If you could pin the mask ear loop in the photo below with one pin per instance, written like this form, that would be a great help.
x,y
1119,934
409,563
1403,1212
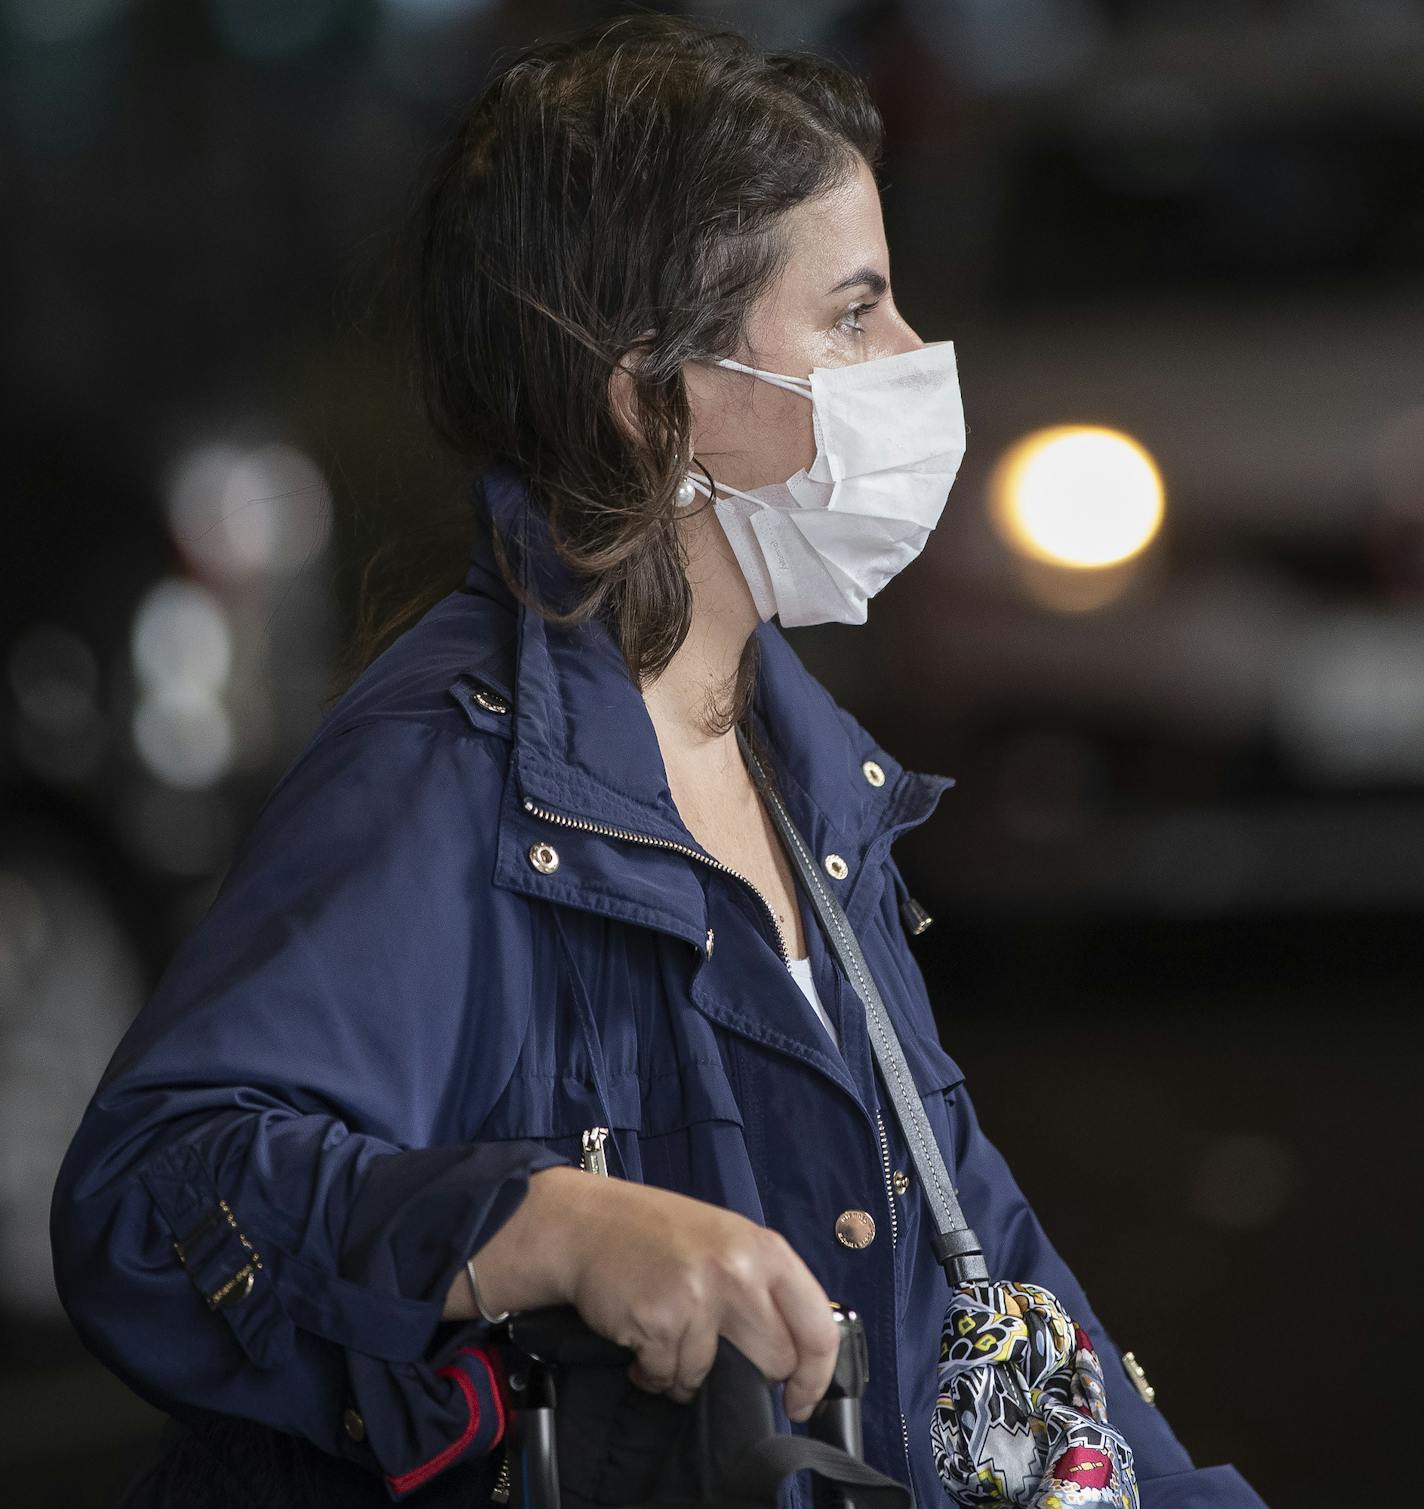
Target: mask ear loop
x,y
798,385
801,385
700,486
692,484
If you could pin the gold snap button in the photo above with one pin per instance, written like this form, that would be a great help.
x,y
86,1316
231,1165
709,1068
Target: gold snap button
x,y
855,1228
544,857
836,867
491,701
900,1181
353,1425
873,773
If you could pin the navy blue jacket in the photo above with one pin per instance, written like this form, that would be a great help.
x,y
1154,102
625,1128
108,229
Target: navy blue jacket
x,y
398,1007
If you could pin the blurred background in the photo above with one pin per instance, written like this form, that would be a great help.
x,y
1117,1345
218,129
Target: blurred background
x,y
1169,637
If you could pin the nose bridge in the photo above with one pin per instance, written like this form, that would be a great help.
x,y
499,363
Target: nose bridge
x,y
907,337
893,333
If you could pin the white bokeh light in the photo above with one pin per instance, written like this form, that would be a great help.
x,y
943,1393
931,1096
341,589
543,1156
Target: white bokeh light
x,y
182,657
244,512
184,735
1077,496
181,637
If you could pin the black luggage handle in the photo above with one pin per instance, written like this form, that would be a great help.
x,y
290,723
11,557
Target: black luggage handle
x,y
540,1345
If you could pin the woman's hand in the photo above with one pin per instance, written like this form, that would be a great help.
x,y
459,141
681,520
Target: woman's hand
x,y
664,1275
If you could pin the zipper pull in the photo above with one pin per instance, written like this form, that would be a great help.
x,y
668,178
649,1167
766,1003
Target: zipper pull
x,y
594,1159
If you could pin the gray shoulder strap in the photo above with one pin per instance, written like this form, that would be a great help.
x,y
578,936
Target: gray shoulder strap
x,y
955,1244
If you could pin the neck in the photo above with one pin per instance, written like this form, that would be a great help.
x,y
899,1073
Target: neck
x,y
684,701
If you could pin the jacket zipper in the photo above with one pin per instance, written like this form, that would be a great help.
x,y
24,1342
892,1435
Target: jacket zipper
x,y
666,843
894,1234
885,1169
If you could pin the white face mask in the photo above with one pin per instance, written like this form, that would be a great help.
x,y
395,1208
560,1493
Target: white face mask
x,y
889,439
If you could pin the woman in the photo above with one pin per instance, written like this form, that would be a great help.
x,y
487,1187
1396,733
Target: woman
x,y
521,885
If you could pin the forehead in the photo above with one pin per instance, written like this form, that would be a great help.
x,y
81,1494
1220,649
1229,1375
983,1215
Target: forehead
x,y
829,237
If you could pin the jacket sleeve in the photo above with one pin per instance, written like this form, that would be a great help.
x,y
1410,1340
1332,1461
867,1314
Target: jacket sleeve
x,y
1016,1246
264,1204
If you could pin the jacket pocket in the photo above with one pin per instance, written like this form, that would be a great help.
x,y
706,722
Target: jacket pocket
x,y
607,1049
659,1124
696,1090
691,1136
556,1109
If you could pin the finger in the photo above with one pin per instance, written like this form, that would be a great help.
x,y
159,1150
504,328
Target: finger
x,y
756,1328
649,1382
657,1380
655,1366
806,1312
695,1356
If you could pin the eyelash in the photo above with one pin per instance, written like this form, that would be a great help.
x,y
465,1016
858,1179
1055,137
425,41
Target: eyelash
x,y
850,314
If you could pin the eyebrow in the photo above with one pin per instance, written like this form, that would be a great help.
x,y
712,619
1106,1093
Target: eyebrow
x,y
875,281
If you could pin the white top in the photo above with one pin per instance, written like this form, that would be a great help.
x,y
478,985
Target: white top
x,y
801,972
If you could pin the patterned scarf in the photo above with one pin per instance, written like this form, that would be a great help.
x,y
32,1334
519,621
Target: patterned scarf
x,y
1021,1416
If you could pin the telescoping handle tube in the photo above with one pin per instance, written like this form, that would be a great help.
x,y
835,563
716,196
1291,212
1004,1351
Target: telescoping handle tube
x,y
533,1447
836,1419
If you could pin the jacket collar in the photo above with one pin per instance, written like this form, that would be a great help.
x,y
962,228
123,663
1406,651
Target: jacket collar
x,y
584,743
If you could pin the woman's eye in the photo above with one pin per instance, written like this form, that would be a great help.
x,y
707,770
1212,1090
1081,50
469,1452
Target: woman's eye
x,y
848,322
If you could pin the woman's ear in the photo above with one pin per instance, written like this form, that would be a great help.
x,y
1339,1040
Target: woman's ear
x,y
621,401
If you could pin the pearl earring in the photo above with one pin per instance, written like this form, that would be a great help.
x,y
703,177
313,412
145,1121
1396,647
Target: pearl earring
x,y
686,493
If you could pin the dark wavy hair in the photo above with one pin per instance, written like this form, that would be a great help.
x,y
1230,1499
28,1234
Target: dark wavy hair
x,y
615,196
